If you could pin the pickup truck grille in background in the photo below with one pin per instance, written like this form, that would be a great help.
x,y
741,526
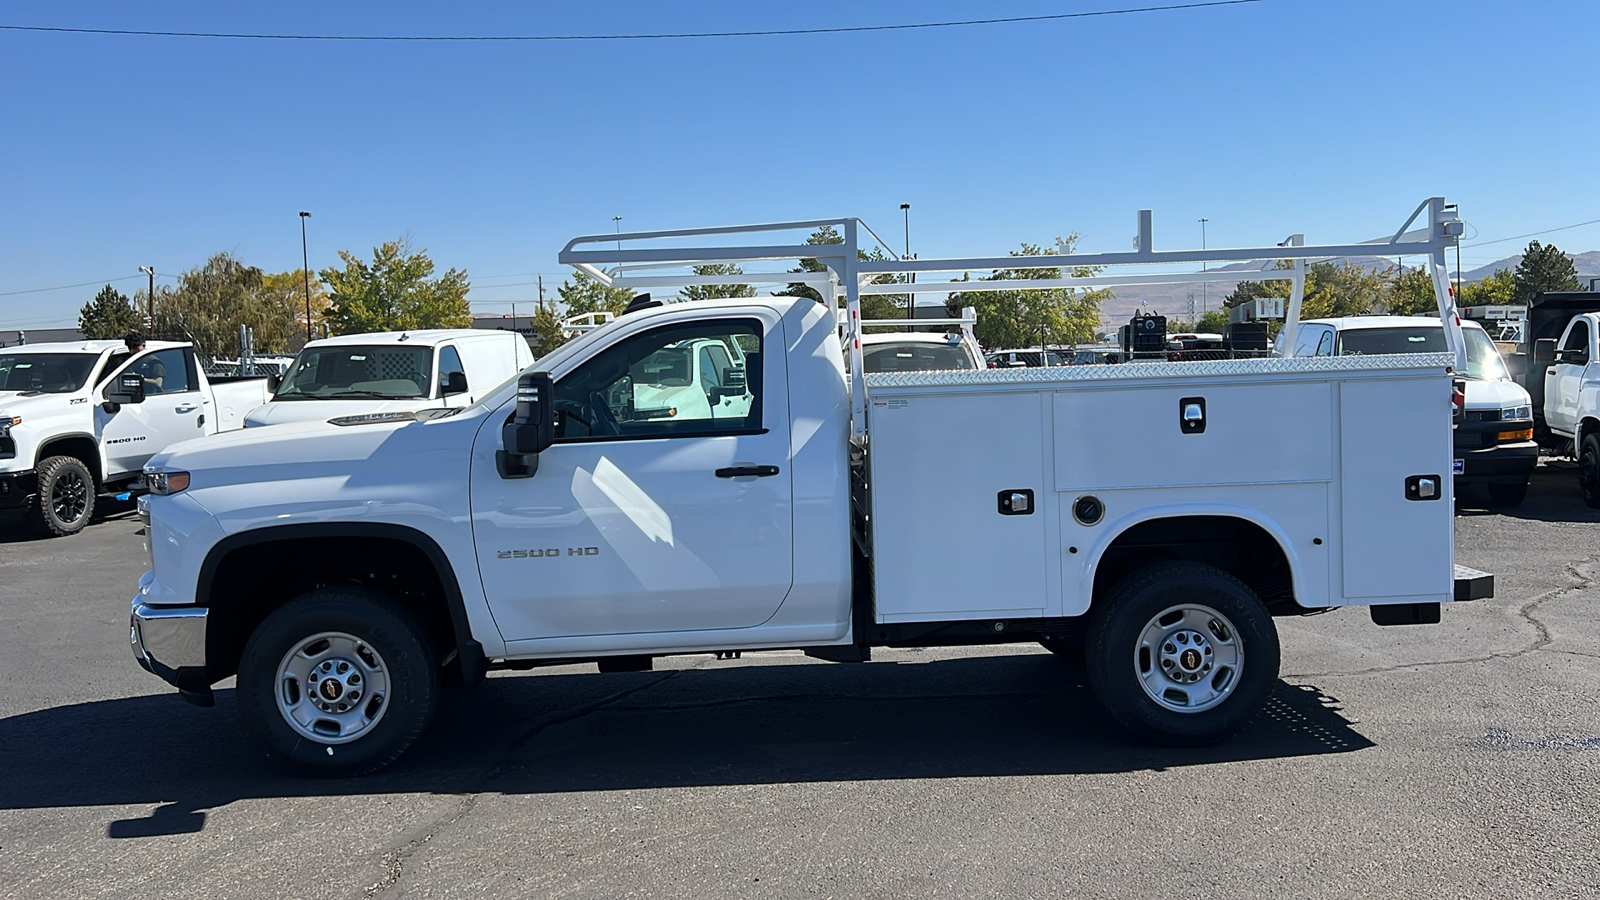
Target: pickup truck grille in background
x,y
8,447
1471,439
1483,415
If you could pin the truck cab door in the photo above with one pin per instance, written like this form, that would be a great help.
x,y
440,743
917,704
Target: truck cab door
x,y
1564,379
656,510
173,410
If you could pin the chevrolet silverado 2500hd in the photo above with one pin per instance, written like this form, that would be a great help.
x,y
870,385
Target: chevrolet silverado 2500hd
x,y
567,517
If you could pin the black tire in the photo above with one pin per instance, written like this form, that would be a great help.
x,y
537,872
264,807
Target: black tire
x,y
1508,494
66,498
404,707
1114,656
1589,471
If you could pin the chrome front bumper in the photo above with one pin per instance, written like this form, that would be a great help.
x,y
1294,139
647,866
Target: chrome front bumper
x,y
170,642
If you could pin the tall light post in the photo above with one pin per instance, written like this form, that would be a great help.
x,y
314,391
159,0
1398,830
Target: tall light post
x,y
1204,292
150,296
911,298
617,220
305,268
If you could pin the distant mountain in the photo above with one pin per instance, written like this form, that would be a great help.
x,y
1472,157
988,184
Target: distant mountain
x,y
1587,264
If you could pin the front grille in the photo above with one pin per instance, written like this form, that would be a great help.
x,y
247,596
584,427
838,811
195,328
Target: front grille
x,y
1483,415
1473,439
8,447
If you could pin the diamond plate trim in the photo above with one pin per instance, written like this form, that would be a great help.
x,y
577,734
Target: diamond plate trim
x,y
1144,371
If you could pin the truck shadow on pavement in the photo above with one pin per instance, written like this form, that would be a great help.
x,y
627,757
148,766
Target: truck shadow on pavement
x,y
1552,497
1027,714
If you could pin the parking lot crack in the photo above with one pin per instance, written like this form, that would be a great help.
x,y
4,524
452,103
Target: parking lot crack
x,y
394,862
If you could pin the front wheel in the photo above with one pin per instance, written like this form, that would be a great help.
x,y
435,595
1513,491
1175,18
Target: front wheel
x,y
1181,653
1589,471
66,497
339,681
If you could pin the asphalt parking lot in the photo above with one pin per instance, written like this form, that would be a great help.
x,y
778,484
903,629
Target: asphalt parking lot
x,y
1459,760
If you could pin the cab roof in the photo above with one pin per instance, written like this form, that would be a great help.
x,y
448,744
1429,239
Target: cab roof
x,y
1357,323
418,337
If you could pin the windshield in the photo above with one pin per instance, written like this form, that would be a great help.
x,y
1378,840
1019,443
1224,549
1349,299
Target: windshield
x,y
384,372
1404,339
48,373
915,357
1483,360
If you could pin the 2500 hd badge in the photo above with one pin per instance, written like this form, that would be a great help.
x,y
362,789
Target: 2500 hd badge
x,y
552,551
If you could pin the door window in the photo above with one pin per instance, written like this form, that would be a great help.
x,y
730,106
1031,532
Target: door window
x,y
1578,337
1325,346
164,371
676,381
449,361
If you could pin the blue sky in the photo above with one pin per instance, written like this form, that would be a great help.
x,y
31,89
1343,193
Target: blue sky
x,y
1332,117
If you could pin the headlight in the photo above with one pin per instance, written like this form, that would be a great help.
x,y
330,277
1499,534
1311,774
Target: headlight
x,y
7,421
1513,413
166,481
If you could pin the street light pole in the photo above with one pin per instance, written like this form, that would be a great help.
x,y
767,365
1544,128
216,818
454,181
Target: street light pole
x,y
150,296
911,297
618,221
305,268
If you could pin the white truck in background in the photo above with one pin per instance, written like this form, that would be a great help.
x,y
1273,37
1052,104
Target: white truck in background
x,y
556,520
1572,399
80,419
392,372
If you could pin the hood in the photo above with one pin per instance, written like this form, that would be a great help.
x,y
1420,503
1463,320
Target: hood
x,y
1495,395
17,402
279,412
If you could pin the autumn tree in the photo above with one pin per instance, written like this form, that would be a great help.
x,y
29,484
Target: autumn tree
x,y
1499,289
109,315
1024,318
1544,268
1411,293
397,291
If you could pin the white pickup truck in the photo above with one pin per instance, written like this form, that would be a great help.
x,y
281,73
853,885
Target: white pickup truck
x,y
77,419
392,371
555,520
1572,399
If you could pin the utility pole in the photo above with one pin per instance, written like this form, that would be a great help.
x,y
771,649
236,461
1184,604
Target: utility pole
x,y
1204,292
150,297
541,293
911,297
305,268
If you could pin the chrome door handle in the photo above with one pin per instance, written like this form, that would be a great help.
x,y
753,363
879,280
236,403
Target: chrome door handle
x,y
743,471
187,407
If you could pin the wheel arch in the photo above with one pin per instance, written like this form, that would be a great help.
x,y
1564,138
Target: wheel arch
x,y
1237,540
82,447
378,555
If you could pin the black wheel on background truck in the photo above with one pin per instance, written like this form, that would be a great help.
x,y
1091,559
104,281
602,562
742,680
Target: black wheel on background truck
x,y
1508,494
338,681
1589,470
66,497
1181,653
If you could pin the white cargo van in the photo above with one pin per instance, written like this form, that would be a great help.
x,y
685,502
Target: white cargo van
x,y
395,371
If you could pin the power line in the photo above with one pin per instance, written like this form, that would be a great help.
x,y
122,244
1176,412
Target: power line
x,y
1532,234
630,37
63,287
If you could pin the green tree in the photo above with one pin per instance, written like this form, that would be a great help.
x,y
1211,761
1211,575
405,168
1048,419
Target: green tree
x,y
1017,318
716,291
873,306
396,292
584,294
1499,289
109,315
1411,293
1544,268
1342,289
547,334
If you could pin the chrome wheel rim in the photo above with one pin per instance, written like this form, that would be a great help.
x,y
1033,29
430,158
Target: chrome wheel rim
x,y
1188,658
69,496
332,687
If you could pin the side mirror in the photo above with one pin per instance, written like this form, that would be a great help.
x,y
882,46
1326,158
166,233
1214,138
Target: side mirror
x,y
455,383
1544,350
530,430
1517,364
128,388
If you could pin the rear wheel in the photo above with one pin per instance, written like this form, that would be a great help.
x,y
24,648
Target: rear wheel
x,y
1508,494
1181,653
338,681
66,497
1589,470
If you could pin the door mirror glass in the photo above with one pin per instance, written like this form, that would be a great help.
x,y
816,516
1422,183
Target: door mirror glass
x,y
1544,349
530,430
127,388
455,383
